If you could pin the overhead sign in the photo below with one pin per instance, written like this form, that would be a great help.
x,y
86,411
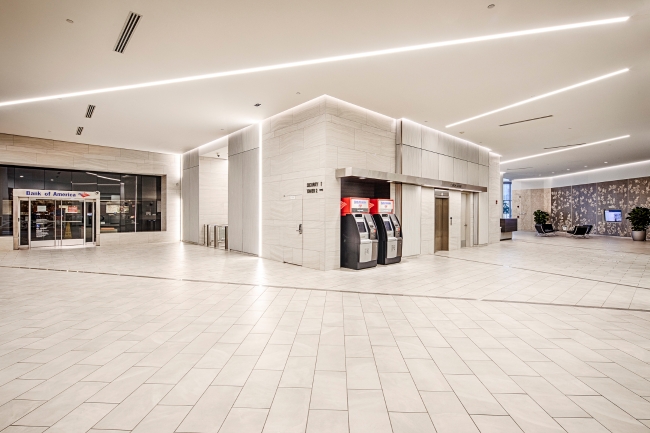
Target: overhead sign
x,y
49,193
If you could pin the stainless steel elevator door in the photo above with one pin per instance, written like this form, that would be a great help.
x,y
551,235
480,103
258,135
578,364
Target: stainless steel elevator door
x,y
442,225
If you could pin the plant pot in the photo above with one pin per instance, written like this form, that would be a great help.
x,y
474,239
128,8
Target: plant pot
x,y
639,235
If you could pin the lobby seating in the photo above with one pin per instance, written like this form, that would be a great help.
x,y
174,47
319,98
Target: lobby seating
x,y
579,231
544,230
548,229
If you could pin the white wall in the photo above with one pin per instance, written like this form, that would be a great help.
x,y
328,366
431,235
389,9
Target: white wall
x,y
243,190
411,219
190,195
425,152
213,193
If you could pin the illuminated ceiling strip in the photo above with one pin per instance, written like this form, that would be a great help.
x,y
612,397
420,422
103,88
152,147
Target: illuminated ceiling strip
x,y
545,95
322,60
565,149
585,171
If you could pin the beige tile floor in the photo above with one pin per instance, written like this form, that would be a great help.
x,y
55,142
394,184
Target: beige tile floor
x,y
250,345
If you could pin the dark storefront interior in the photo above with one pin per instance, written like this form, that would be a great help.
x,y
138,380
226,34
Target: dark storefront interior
x,y
129,203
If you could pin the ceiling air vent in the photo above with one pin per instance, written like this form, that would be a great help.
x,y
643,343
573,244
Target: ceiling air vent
x,y
79,130
520,168
527,120
128,29
566,145
90,111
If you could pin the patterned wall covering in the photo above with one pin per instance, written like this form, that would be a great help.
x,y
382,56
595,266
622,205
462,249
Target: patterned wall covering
x,y
561,201
584,204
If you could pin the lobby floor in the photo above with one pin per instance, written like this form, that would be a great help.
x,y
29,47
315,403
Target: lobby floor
x,y
532,335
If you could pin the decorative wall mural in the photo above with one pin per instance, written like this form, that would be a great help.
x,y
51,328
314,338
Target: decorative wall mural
x,y
561,207
585,204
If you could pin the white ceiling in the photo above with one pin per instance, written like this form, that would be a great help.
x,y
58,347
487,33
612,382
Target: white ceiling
x,y
42,55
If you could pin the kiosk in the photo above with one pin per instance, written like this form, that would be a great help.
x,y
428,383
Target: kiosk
x,y
51,218
388,229
358,234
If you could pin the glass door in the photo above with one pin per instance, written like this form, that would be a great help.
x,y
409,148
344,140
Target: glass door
x,y
24,223
41,226
90,221
70,214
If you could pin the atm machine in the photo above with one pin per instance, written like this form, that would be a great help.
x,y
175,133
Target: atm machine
x,y
358,234
388,229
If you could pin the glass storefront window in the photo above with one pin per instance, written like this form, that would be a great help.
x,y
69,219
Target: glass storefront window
x,y
128,203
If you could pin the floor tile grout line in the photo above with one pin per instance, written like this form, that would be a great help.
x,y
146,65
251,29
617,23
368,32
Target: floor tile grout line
x,y
547,273
360,292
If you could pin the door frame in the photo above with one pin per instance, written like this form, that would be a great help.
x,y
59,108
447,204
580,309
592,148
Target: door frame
x,y
82,197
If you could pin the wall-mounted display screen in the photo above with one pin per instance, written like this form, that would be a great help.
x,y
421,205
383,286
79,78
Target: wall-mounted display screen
x,y
388,226
362,227
613,216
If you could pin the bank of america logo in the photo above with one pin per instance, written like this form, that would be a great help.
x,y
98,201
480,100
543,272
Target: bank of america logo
x,y
84,194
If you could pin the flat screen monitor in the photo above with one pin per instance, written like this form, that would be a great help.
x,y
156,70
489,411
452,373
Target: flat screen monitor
x,y
613,216
387,225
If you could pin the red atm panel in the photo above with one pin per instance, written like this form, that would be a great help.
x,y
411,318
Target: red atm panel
x,y
354,205
381,205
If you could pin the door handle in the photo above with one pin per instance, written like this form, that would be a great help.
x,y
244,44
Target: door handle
x,y
299,229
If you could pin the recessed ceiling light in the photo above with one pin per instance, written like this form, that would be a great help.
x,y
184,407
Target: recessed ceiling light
x,y
490,6
297,93
566,149
605,162
22,175
568,169
257,105
324,60
552,172
70,21
545,95
461,132
362,178
585,166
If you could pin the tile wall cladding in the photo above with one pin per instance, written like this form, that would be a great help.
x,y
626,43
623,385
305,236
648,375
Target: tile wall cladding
x,y
524,204
586,204
213,193
426,152
307,144
243,190
40,152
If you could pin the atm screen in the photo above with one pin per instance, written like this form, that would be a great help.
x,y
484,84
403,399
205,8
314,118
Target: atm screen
x,y
388,226
362,227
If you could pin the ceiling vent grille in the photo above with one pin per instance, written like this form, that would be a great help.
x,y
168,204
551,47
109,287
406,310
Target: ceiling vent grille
x,y
80,130
527,120
90,111
566,145
520,168
127,31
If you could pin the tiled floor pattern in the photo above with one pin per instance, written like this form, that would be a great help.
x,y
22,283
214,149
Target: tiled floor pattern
x,y
596,272
102,353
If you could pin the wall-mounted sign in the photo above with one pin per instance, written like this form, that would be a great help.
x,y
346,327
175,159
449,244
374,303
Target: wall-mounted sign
x,y
77,195
314,187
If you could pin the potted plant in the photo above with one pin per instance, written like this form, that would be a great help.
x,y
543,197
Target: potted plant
x,y
540,216
639,217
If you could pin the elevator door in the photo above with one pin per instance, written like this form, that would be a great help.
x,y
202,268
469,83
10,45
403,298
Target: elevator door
x,y
442,225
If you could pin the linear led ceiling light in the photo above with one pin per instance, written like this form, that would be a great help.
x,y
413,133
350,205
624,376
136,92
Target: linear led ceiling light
x,y
322,60
565,149
535,98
